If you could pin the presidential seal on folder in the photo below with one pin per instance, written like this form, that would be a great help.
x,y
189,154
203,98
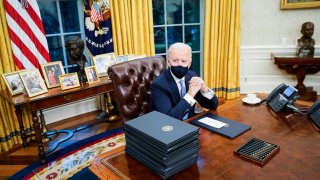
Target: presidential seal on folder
x,y
162,143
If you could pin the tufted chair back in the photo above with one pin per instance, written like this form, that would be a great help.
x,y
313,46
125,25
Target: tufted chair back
x,y
132,81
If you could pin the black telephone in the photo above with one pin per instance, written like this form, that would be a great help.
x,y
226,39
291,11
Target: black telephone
x,y
282,96
314,113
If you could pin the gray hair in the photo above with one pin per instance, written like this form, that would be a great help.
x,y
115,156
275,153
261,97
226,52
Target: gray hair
x,y
181,46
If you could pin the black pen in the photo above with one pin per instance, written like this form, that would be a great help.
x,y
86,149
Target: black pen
x,y
263,150
253,147
271,149
248,145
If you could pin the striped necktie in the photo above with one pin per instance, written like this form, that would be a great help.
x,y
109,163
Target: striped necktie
x,y
182,93
183,88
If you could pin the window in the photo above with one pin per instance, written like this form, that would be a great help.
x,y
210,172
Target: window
x,y
178,21
174,21
61,18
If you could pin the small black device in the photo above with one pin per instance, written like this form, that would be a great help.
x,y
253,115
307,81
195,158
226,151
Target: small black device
x,y
314,113
282,96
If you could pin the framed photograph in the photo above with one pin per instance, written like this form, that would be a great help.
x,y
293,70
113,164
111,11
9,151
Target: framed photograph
x,y
13,82
51,72
69,81
33,82
92,75
299,4
102,61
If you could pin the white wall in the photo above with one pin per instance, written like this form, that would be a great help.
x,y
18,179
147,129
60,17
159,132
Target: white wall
x,y
264,24
266,29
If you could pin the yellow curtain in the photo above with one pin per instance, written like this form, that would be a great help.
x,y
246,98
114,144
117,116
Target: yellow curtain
x,y
132,27
9,127
222,47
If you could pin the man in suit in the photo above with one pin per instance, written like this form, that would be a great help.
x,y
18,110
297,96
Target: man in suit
x,y
167,88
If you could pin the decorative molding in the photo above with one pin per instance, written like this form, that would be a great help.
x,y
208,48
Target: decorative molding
x,y
285,4
259,74
73,109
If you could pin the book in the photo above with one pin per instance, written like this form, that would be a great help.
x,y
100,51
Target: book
x,y
163,130
164,172
159,150
164,144
220,125
170,159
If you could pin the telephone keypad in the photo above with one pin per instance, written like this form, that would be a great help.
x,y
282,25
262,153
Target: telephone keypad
x,y
278,103
316,117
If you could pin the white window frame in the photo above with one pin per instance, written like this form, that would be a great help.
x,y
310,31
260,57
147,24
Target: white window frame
x,y
183,25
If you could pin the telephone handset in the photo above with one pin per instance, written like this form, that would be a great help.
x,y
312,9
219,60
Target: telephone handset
x,y
314,112
282,96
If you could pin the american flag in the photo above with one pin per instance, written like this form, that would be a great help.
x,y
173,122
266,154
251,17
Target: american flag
x,y
96,13
28,40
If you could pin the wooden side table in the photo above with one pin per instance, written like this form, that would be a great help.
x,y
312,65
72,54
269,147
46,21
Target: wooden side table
x,y
54,97
300,66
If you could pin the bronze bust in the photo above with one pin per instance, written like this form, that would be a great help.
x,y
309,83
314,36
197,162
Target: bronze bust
x,y
306,42
75,46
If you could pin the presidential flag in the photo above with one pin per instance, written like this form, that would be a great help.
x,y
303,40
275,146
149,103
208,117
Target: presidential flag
x,y
98,29
28,40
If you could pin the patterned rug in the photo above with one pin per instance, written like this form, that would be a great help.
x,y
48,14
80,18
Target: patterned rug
x,y
72,162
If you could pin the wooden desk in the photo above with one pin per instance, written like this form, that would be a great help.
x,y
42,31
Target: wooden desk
x,y
298,158
54,97
300,67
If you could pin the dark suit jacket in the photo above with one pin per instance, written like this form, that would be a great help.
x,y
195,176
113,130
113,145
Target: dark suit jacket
x,y
165,96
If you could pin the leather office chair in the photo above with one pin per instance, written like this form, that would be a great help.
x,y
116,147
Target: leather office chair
x,y
132,81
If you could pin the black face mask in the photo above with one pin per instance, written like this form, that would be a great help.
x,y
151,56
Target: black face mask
x,y
179,71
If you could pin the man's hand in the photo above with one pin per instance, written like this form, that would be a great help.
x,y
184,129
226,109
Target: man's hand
x,y
196,84
198,80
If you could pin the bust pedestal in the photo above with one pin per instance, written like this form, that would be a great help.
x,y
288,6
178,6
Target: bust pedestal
x,y
300,66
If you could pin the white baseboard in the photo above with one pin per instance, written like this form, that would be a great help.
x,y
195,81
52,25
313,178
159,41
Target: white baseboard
x,y
70,110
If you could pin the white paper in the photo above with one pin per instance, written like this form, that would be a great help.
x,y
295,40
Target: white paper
x,y
212,122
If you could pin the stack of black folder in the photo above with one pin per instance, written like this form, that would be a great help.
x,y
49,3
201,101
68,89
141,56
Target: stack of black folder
x,y
164,144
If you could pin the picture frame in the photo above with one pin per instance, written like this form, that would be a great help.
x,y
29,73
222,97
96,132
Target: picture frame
x,y
33,82
13,82
51,72
101,62
299,4
92,75
69,81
